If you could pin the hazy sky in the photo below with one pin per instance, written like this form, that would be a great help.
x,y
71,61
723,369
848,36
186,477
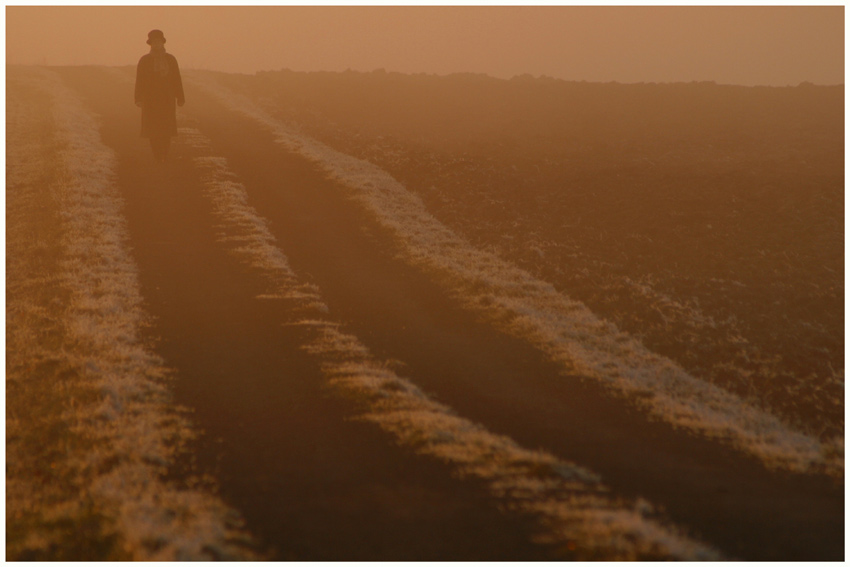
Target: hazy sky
x,y
739,45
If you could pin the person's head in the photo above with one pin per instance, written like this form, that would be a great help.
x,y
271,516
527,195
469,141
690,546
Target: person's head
x,y
156,38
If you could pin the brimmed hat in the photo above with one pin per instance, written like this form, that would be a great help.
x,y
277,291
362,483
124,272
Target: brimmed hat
x,y
155,33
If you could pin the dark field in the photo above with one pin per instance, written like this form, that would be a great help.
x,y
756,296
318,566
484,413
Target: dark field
x,y
705,219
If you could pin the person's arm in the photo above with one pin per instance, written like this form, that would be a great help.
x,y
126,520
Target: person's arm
x,y
140,86
178,84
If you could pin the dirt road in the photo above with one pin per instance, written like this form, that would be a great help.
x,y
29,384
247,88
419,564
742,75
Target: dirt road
x,y
315,484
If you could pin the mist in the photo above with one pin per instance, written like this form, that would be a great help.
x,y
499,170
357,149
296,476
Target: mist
x,y
774,46
425,283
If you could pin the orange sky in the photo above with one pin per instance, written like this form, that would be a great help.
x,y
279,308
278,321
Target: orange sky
x,y
737,45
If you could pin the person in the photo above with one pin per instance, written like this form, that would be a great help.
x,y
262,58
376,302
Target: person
x,y
158,87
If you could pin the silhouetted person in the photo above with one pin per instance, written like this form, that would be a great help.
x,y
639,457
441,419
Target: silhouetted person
x,y
158,87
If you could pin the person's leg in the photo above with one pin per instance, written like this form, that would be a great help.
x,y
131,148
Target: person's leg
x,y
159,146
154,147
166,145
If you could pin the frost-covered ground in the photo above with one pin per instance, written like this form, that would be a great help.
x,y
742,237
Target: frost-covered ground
x,y
705,221
691,266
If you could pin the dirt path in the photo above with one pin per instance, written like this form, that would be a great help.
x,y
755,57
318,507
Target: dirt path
x,y
312,484
318,486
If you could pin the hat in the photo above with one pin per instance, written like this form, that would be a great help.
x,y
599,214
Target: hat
x,y
155,34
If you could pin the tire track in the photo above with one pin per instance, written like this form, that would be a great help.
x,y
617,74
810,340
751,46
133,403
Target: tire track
x,y
575,510
533,310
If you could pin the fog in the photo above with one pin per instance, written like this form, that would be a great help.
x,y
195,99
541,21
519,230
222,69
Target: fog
x,y
479,299
731,45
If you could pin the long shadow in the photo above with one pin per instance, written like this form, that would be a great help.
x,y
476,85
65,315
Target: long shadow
x,y
724,497
311,483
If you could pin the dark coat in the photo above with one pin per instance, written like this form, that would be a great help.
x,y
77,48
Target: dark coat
x,y
158,87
